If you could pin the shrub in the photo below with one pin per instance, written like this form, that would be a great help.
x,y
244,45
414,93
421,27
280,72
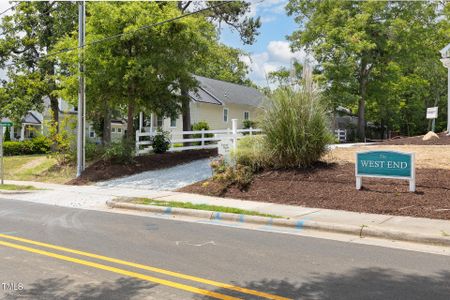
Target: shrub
x,y
161,142
41,144
93,150
38,145
63,142
199,126
121,152
249,124
18,148
7,135
239,175
252,152
295,125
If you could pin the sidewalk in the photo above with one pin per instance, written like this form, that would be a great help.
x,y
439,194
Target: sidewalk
x,y
390,227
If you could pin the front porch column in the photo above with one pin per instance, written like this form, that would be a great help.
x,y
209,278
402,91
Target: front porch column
x,y
11,133
151,122
141,120
22,133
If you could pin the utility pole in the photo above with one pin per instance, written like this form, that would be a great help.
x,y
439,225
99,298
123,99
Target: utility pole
x,y
81,91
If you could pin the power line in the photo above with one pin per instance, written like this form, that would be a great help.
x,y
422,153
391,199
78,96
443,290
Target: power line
x,y
121,34
6,10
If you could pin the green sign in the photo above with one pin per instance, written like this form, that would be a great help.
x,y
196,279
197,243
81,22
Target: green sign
x,y
6,124
388,164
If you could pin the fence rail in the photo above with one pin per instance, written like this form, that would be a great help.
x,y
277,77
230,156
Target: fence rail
x,y
341,135
204,141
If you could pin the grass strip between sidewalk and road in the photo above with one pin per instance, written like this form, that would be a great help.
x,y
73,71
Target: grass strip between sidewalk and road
x,y
14,187
207,207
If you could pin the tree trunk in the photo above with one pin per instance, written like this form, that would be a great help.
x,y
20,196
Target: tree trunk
x,y
186,114
363,80
106,135
55,111
130,120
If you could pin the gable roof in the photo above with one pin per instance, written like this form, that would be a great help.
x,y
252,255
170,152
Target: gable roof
x,y
221,92
30,118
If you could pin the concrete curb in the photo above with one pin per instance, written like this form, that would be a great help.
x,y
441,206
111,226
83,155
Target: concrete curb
x,y
359,231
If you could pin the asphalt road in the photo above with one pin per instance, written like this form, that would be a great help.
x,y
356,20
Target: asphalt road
x,y
118,256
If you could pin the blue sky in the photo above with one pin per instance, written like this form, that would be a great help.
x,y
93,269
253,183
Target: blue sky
x,y
271,50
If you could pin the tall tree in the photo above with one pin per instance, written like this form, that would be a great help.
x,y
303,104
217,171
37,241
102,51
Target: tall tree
x,y
233,14
29,35
365,53
138,69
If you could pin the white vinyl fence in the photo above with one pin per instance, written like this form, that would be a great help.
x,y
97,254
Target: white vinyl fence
x,y
341,135
204,139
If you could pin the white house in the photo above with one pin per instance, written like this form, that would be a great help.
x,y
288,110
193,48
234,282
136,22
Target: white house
x,y
215,102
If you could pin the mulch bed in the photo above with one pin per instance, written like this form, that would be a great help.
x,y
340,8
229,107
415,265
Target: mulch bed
x,y
104,170
332,186
444,139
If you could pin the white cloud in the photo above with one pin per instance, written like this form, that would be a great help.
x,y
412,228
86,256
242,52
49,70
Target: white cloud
x,y
277,55
267,19
272,6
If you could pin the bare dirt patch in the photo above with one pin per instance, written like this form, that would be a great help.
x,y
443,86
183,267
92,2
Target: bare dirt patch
x,y
444,139
434,157
104,170
332,186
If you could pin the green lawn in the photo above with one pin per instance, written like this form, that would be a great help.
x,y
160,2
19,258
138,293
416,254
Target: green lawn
x,y
14,187
37,168
207,207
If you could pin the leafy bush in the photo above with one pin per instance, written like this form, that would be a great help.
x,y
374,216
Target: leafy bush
x,y
249,124
295,125
38,145
199,126
18,148
63,142
121,152
93,150
41,144
161,142
252,152
7,135
238,175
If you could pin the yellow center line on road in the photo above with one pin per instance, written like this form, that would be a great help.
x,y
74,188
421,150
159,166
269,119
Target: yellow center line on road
x,y
148,268
121,272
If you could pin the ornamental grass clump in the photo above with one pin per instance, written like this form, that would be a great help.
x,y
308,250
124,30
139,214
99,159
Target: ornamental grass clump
x,y
296,126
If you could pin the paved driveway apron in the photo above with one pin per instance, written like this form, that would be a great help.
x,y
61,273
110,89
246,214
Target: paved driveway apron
x,y
165,179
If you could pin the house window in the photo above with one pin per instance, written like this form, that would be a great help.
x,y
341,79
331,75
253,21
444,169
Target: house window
x,y
225,115
159,122
119,130
113,130
173,122
246,115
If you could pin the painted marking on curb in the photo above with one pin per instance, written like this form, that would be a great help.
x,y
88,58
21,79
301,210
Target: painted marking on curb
x,y
172,284
299,225
217,216
140,266
168,210
241,218
270,222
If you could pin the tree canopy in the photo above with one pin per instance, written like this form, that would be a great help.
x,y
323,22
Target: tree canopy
x,y
379,58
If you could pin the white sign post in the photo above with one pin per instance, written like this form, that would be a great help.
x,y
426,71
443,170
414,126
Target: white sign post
x,y
432,113
445,54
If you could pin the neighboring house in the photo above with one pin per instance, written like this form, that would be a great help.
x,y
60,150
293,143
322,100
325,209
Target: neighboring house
x,y
118,131
215,102
34,123
30,126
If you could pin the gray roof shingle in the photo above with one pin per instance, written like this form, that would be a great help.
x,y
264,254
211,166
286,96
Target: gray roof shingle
x,y
222,93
